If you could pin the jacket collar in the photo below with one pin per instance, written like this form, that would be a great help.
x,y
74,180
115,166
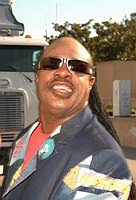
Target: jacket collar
x,y
17,159
71,128
68,131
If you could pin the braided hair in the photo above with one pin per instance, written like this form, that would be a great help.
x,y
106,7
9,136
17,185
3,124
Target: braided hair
x,y
98,109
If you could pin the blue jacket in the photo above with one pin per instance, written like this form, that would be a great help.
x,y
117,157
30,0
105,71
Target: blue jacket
x,y
86,164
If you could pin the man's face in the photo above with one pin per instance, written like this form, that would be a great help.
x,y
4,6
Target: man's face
x,y
61,91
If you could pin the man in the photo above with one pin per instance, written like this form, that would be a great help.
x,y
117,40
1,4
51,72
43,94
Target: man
x,y
67,154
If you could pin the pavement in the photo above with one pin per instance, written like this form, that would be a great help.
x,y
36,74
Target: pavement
x,y
130,154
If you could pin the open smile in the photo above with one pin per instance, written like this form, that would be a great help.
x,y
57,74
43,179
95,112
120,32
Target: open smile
x,y
61,89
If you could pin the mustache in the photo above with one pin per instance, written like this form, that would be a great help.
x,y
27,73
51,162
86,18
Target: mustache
x,y
61,80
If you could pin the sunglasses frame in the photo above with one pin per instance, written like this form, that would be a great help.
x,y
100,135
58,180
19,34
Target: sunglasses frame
x,y
66,61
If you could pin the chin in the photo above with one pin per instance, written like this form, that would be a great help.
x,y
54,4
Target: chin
x,y
59,105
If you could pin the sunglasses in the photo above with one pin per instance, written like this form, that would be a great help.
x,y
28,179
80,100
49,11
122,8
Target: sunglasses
x,y
79,66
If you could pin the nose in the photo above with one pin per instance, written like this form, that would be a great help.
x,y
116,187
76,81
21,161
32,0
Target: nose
x,y
63,72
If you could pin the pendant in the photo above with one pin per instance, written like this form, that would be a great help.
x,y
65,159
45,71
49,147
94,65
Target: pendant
x,y
46,149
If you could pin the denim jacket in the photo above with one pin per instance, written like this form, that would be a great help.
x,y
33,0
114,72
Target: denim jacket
x,y
86,164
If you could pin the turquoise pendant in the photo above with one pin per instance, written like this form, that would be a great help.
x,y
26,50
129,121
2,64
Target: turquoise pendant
x,y
46,149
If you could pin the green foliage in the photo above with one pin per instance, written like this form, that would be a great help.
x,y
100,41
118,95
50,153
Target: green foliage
x,y
81,32
109,109
112,40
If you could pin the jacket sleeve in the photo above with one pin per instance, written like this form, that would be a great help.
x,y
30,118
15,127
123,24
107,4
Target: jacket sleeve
x,y
106,177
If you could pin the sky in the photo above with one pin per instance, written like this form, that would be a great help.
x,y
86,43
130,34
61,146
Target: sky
x,y
38,16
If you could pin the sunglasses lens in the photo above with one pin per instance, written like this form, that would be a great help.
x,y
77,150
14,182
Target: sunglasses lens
x,y
78,66
50,63
73,65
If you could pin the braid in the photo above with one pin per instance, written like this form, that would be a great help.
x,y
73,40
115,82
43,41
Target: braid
x,y
98,109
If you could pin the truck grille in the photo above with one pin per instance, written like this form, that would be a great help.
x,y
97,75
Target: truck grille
x,y
11,114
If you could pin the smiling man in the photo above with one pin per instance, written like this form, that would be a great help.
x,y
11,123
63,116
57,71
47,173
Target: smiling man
x,y
66,154
63,82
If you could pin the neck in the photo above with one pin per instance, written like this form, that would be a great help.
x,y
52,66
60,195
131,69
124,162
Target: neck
x,y
48,127
51,120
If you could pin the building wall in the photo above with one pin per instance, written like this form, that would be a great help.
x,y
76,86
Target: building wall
x,y
107,72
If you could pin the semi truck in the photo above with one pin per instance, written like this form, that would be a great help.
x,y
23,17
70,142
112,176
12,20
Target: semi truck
x,y
18,61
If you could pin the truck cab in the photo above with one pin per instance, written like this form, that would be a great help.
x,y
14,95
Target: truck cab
x,y
18,99
18,61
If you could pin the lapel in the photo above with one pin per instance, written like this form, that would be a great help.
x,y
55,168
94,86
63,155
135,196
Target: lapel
x,y
16,162
68,131
72,127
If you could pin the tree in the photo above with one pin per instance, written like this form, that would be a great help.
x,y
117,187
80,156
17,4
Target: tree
x,y
115,41
112,40
80,31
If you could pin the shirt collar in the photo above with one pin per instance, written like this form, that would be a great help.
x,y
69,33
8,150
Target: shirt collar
x,y
57,131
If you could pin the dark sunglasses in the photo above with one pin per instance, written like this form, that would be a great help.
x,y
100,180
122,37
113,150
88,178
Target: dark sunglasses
x,y
79,66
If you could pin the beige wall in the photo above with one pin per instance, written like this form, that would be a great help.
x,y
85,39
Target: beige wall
x,y
109,71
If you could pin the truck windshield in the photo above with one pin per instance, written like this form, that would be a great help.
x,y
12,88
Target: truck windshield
x,y
19,58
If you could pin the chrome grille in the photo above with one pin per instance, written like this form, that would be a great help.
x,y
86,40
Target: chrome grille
x,y
11,114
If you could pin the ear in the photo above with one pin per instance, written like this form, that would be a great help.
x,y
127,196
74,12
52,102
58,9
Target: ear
x,y
92,81
36,77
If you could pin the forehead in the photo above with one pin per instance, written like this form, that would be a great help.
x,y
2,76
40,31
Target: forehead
x,y
68,48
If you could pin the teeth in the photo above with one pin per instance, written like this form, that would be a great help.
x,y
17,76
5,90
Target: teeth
x,y
62,88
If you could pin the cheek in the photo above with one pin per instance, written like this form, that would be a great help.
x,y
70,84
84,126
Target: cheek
x,y
41,88
42,79
84,88
84,84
